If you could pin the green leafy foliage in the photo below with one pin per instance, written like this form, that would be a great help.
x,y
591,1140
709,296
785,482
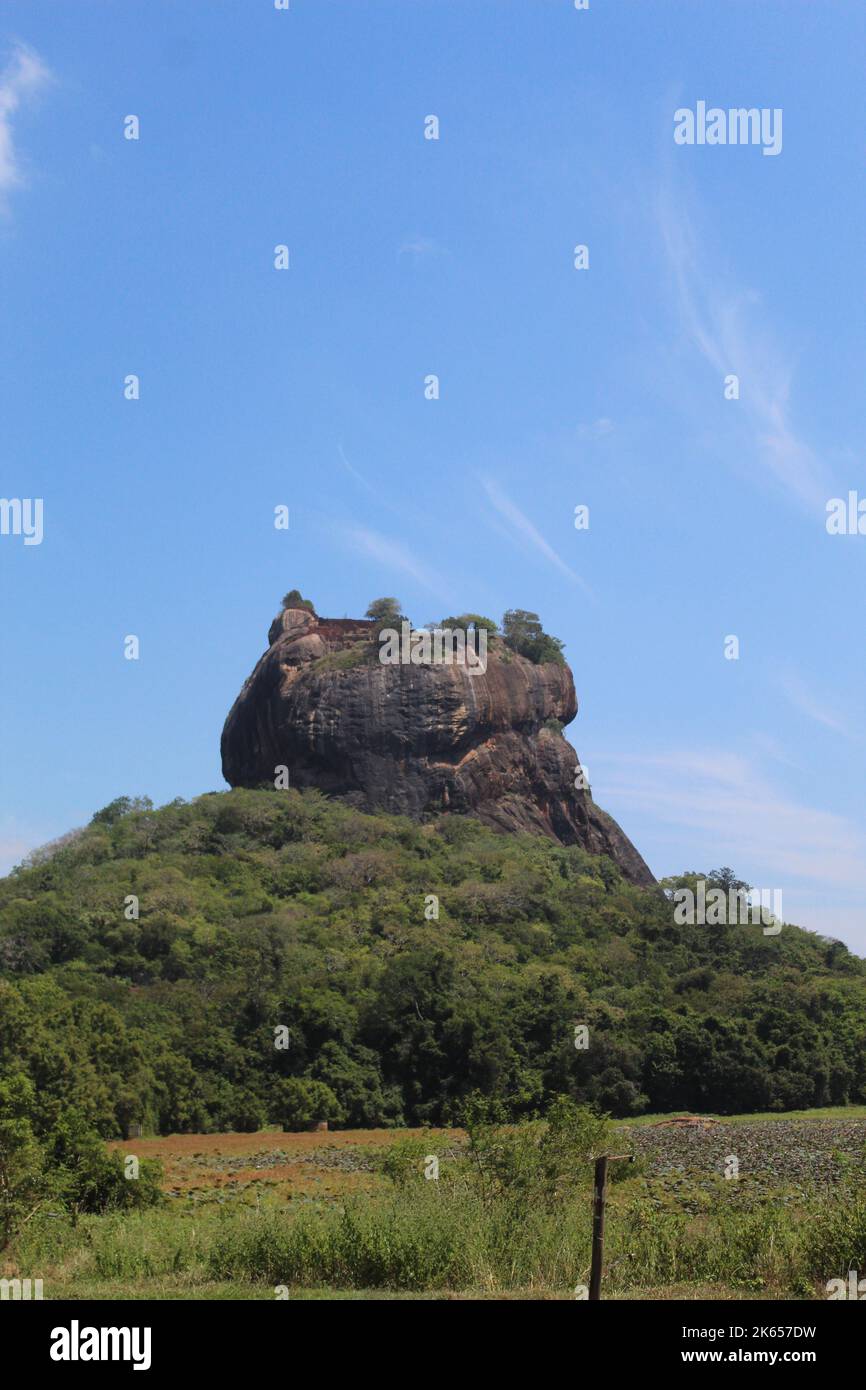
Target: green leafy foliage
x,y
63,1163
299,1101
468,621
523,632
385,612
535,1163
295,599
261,909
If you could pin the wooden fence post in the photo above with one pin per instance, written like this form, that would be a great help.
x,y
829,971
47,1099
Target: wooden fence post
x,y
599,1196
599,1192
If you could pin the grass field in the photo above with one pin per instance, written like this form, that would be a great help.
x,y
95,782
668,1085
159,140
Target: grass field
x,y
348,1215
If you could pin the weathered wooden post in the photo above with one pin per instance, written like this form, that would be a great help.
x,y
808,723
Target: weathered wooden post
x,y
599,1196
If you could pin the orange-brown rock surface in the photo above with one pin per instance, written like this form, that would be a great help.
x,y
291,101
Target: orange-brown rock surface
x,y
417,739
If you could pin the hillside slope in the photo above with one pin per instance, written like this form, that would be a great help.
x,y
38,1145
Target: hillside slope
x,y
265,910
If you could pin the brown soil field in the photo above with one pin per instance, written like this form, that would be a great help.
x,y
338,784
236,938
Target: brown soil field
x,y
303,1164
674,1157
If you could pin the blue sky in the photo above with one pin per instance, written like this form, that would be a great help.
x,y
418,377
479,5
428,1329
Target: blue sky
x,y
558,387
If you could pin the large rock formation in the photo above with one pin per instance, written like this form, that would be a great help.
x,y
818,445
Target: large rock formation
x,y
417,739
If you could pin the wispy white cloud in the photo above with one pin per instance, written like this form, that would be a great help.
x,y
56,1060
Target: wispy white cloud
x,y
412,518
804,700
395,554
774,749
527,531
597,430
24,75
725,802
723,323
350,468
419,246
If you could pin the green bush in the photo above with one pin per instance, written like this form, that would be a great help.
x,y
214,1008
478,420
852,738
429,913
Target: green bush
x,y
295,599
523,632
299,1102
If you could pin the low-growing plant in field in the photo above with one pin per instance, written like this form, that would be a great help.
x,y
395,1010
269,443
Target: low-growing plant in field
x,y
836,1243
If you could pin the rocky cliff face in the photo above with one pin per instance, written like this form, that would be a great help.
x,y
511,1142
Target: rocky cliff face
x,y
417,739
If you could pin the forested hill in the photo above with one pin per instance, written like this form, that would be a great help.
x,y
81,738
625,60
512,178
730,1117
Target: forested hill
x,y
286,965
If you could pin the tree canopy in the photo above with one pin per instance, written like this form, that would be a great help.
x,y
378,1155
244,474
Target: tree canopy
x,y
386,612
147,965
295,599
523,632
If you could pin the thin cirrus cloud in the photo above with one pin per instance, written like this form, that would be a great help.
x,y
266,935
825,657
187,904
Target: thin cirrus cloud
x,y
527,532
405,511
721,321
24,75
419,246
802,698
723,806
394,554
350,468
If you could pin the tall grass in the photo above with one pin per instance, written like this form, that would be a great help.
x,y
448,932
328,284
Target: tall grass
x,y
511,1211
131,1245
421,1239
435,1238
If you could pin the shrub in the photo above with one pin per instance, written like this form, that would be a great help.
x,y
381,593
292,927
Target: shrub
x,y
294,599
525,635
299,1102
